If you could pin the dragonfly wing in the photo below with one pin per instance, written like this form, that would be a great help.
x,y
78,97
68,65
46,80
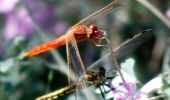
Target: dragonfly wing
x,y
74,60
102,12
121,51
69,64
77,63
77,66
131,44
104,62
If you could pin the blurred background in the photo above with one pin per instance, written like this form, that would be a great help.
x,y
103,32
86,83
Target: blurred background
x,y
27,23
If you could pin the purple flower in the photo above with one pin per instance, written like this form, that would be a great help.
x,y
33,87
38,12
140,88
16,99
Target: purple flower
x,y
17,23
44,15
7,5
20,21
60,27
127,91
168,13
129,87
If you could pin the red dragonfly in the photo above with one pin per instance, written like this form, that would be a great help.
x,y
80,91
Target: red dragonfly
x,y
98,73
76,33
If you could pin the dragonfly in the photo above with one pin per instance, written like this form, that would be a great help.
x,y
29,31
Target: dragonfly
x,y
99,75
76,33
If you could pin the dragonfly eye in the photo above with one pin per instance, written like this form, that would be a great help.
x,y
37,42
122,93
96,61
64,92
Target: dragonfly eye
x,y
93,27
91,34
94,31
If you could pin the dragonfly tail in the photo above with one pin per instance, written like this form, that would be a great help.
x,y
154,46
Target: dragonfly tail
x,y
46,46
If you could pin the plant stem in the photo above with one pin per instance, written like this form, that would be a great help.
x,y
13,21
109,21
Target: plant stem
x,y
155,11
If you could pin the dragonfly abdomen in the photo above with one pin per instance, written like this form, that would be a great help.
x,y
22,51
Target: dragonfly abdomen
x,y
47,46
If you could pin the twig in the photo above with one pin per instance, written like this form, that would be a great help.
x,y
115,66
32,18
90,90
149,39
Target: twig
x,y
155,11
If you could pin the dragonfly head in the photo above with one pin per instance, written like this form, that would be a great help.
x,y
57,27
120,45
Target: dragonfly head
x,y
93,31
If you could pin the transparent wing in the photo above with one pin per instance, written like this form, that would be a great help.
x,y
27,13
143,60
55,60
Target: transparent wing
x,y
121,51
75,64
102,12
69,65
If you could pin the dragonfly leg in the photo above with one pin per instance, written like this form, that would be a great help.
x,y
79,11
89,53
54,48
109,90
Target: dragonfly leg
x,y
102,92
68,63
115,63
99,41
101,45
96,44
103,33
